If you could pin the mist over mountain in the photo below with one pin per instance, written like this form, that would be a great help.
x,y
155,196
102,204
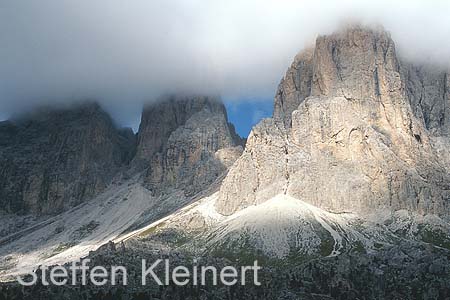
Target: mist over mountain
x,y
343,193
125,55
312,137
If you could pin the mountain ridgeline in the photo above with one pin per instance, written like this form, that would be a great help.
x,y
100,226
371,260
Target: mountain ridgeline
x,y
54,159
343,194
354,127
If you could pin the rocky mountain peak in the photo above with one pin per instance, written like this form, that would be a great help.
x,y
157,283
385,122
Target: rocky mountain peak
x,y
361,62
161,118
352,63
294,87
53,159
348,132
185,142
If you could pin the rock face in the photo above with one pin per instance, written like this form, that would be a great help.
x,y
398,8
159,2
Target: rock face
x,y
185,143
428,89
353,129
338,71
294,87
52,160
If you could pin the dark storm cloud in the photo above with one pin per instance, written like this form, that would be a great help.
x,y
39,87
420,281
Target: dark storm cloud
x,y
125,52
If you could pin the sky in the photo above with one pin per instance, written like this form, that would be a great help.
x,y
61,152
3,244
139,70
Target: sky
x,y
245,113
125,53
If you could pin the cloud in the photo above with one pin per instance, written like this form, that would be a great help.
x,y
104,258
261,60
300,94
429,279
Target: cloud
x,y
125,52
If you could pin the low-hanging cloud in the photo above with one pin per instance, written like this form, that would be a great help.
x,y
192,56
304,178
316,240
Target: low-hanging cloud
x,y
126,52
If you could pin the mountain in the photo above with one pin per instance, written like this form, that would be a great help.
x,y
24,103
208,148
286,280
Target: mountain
x,y
184,147
54,159
186,143
343,194
344,135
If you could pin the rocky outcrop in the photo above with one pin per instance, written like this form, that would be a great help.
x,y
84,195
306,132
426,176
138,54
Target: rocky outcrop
x,y
185,143
54,159
349,133
294,87
51,160
260,173
338,71
428,89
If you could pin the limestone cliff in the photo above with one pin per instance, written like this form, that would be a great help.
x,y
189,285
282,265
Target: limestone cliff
x,y
185,142
294,87
353,129
53,159
428,90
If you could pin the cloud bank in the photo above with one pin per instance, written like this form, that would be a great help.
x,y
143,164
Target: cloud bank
x,y
126,52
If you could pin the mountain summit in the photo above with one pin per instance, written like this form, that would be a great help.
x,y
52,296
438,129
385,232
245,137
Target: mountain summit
x,y
348,133
185,142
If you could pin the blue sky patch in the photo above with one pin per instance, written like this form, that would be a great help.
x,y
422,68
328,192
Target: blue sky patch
x,y
246,113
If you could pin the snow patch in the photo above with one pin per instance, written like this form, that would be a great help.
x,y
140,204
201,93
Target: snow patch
x,y
281,220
